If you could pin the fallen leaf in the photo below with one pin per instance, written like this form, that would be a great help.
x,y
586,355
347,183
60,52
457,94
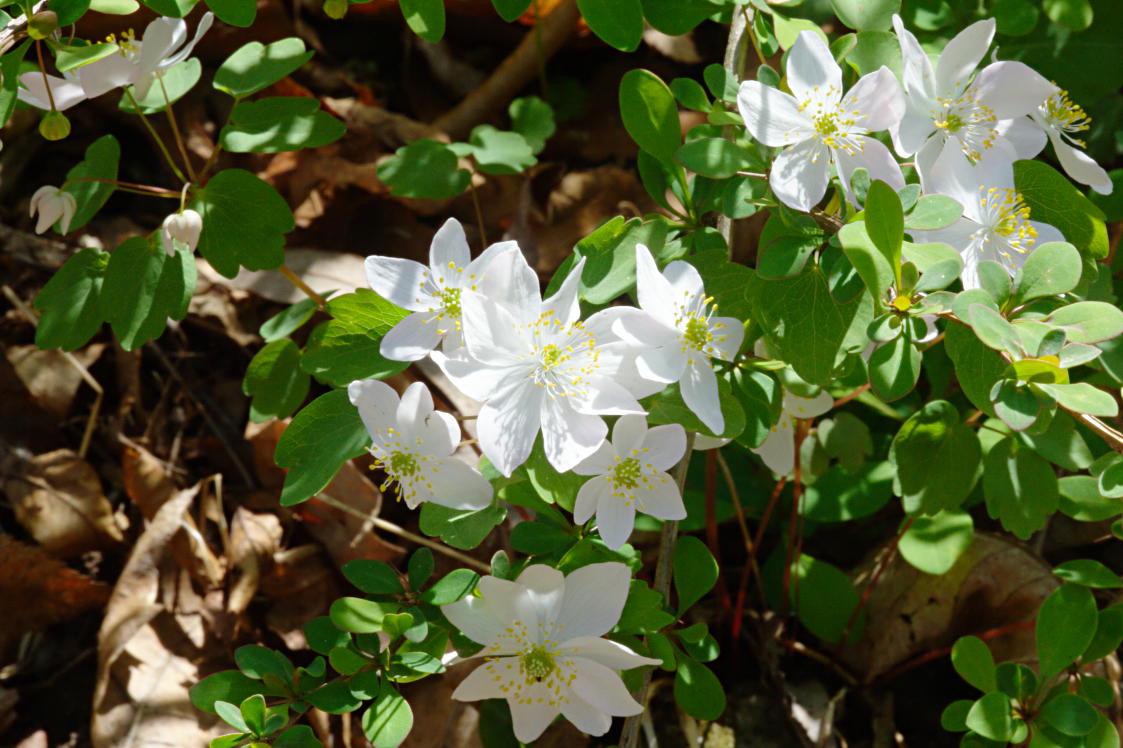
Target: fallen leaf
x,y
254,538
678,48
50,377
301,585
322,271
57,497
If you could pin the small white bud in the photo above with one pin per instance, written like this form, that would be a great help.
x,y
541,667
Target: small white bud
x,y
183,227
52,204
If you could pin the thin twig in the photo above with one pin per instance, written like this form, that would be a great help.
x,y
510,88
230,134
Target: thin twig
x,y
479,213
143,189
734,64
295,279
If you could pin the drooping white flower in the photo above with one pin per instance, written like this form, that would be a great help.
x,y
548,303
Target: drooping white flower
x,y
413,444
946,107
163,45
996,224
630,475
65,91
184,227
820,126
52,204
536,366
778,449
431,293
675,333
1061,120
543,647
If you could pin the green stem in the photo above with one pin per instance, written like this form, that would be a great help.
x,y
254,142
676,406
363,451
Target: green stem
x,y
175,127
155,135
143,189
43,69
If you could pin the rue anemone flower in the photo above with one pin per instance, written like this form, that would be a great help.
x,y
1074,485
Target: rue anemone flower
x,y
52,205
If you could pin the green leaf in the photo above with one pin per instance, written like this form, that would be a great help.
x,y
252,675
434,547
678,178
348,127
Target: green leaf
x,y
239,13
279,123
698,692
803,323
287,321
347,660
451,587
677,17
244,222
321,437
933,212
717,158
992,717
532,118
100,162
424,169
71,301
838,496
348,346
690,94
1070,714
1076,14
1108,636
933,544
1020,487
1014,17
867,259
228,741
610,256
650,115
874,49
373,577
550,485
540,538
669,407
786,256
275,382
143,288
68,11
1088,321
863,15
1097,690
730,284
115,7
972,659
178,80
323,636
1082,398
977,367
253,712
1089,573
885,222
1066,624
298,736
360,616
500,151
510,10
389,719
954,716
426,18
929,441
231,715
229,685
257,662
1053,200
994,330
1050,270
823,597
255,65
70,57
463,529
695,571
894,368
334,698
619,23
788,29
643,610
1082,500
171,8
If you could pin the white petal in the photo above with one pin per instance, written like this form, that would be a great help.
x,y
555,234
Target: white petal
x,y
641,328
808,407
508,601
568,436
506,427
772,116
661,498
958,236
477,380
598,462
664,445
70,207
546,588
686,282
606,652
479,265
509,280
564,302
1046,233
584,716
629,433
812,72
929,155
413,338
729,333
475,618
1024,135
589,496
703,442
161,38
653,292
531,717
778,449
594,599
879,98
910,134
661,364
1011,89
415,406
66,93
919,77
491,332
605,397
962,55
106,74
402,282
601,686
1080,166
449,249
377,403
616,518
800,174
482,683
699,391
874,158
204,25
950,174
456,485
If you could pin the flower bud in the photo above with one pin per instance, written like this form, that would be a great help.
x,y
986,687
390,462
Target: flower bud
x,y
336,8
183,227
42,24
54,126
52,204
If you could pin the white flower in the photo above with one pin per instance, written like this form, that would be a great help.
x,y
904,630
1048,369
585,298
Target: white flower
x,y
183,227
630,475
1061,120
543,647
676,333
52,204
820,126
536,366
778,449
65,92
140,62
945,107
413,443
995,225
432,293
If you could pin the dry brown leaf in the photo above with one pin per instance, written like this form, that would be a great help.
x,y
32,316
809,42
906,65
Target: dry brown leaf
x,y
50,377
322,271
38,590
301,586
57,496
678,48
996,582
254,538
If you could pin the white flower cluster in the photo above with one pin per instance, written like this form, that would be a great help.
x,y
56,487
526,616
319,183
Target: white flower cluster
x,y
964,130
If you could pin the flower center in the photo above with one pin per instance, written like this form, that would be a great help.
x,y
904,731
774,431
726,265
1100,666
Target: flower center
x,y
969,120
626,474
126,44
402,464
697,333
825,125
450,300
551,356
537,663
1061,113
1005,214
951,123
